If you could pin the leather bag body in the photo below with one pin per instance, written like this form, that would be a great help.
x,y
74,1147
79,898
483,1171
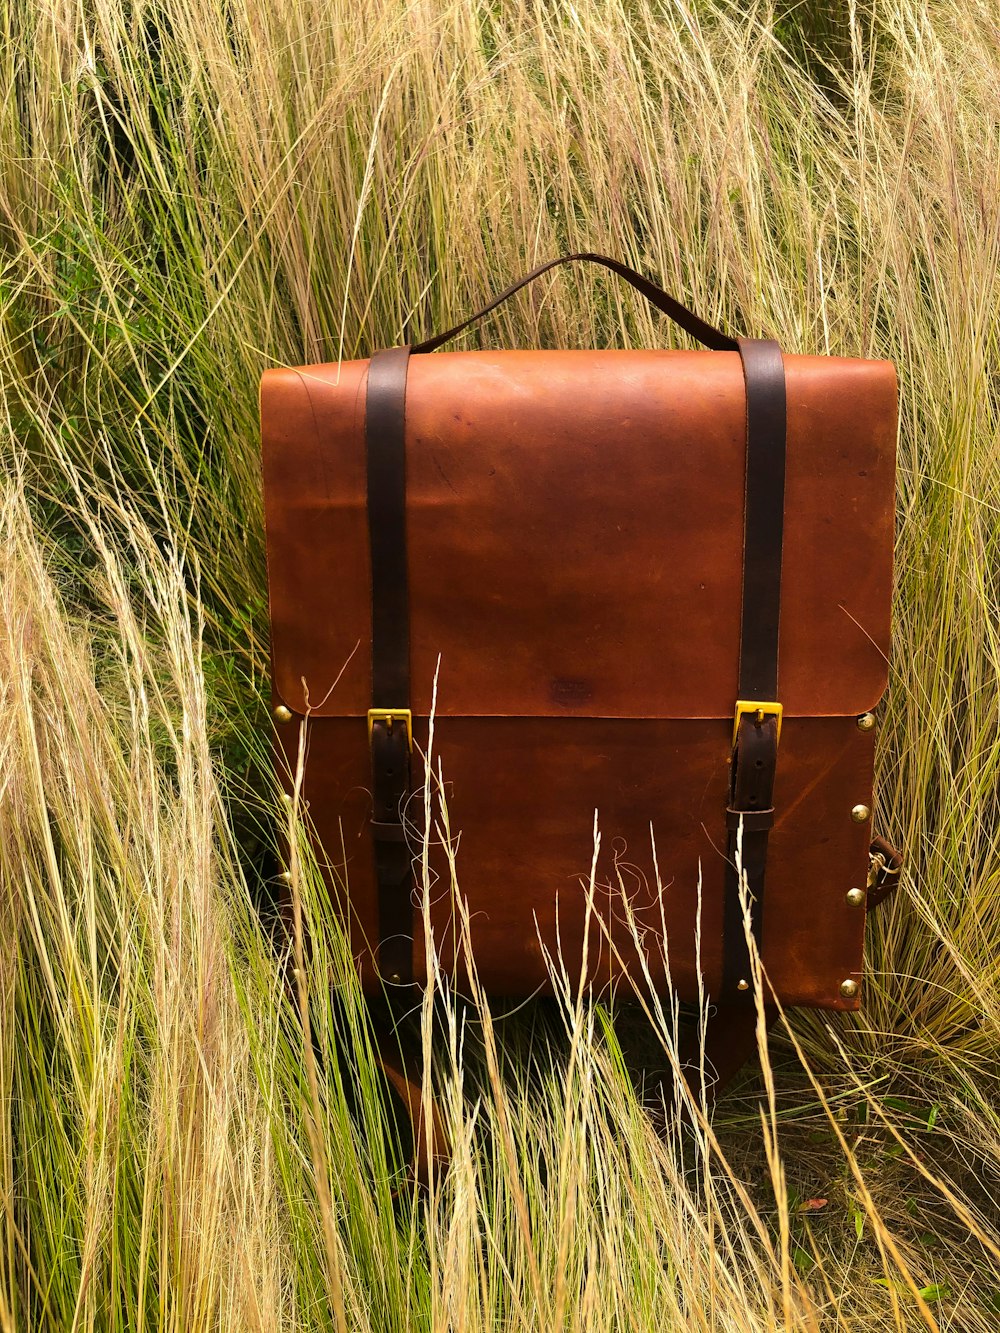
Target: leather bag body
x,y
574,547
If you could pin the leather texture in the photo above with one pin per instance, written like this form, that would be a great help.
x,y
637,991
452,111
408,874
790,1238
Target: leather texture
x,y
386,501
522,795
607,484
574,537
750,816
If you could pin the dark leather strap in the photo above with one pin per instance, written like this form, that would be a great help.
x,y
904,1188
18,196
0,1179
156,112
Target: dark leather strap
x,y
751,787
706,334
390,746
386,463
764,373
390,753
755,750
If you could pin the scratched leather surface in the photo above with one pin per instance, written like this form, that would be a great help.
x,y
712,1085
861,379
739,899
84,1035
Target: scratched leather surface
x,y
575,558
575,530
521,797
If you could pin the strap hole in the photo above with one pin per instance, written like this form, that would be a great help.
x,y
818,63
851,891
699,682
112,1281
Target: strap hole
x,y
758,763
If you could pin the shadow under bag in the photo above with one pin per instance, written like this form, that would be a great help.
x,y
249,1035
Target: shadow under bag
x,y
652,584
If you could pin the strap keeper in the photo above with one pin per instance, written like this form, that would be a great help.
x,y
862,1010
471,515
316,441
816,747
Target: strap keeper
x,y
754,821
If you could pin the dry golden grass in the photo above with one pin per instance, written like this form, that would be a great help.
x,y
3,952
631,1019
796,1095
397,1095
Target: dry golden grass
x,y
192,190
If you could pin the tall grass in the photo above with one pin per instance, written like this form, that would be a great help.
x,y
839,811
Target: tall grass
x,y
194,190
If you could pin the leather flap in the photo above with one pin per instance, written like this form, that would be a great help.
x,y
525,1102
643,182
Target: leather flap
x,y
575,533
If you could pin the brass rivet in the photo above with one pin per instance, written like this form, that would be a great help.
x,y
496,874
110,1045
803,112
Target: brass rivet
x,y
286,875
855,897
742,985
866,721
286,798
860,813
395,978
849,988
283,714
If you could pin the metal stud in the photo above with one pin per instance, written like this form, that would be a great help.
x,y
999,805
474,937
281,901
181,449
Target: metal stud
x,y
849,988
395,978
286,798
742,985
866,722
286,876
860,813
855,897
282,714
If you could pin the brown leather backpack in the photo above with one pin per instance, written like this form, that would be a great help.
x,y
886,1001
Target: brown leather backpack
x,y
650,584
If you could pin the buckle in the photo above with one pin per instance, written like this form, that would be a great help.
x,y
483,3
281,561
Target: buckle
x,y
879,869
761,709
388,716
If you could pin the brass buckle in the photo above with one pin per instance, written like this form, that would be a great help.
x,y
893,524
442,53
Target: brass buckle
x,y
761,709
388,716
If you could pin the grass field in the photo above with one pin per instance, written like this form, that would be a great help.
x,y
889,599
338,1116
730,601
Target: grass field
x,y
193,190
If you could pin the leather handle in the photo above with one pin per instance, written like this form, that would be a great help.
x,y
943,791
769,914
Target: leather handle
x,y
706,334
